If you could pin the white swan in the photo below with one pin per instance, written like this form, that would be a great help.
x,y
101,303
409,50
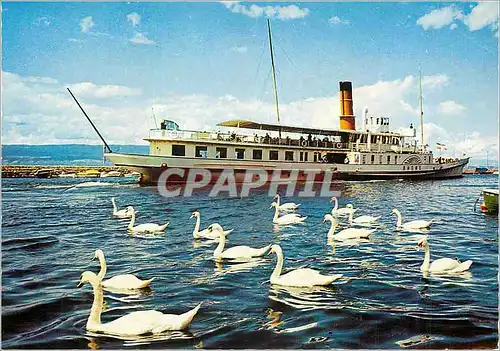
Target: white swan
x,y
205,233
289,206
341,211
302,277
135,323
122,281
286,219
346,234
235,251
125,213
146,227
363,219
418,224
441,265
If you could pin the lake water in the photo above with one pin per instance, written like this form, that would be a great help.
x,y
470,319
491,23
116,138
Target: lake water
x,y
51,229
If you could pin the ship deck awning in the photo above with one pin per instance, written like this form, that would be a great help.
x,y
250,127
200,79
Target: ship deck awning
x,y
240,123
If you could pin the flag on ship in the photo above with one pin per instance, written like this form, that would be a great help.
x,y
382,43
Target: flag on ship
x,y
441,146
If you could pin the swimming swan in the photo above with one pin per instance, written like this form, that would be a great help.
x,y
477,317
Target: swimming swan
x,y
419,224
363,219
441,265
122,281
235,251
302,277
205,233
286,219
135,323
125,213
289,206
346,234
146,227
341,211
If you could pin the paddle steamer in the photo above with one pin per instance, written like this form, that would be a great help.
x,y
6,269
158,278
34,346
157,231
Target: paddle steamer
x,y
372,152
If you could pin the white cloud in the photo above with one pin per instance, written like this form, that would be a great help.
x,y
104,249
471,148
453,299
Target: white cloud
x,y
86,24
440,17
240,49
44,20
338,20
280,12
134,18
87,89
482,15
451,107
435,81
142,39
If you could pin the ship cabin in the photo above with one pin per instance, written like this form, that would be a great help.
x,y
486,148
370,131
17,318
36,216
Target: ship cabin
x,y
251,141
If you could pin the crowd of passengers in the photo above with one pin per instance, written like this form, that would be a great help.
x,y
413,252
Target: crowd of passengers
x,y
267,139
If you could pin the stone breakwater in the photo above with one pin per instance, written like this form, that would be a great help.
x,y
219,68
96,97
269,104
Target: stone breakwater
x,y
30,171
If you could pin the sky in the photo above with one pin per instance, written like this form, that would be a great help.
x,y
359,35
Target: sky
x,y
203,63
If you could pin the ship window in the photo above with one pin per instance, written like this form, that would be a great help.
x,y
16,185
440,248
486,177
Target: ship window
x,y
273,155
305,156
178,150
221,152
201,151
301,156
257,154
396,159
240,154
380,159
364,159
388,159
288,155
373,158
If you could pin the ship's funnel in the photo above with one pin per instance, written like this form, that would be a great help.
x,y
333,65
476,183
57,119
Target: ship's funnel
x,y
347,120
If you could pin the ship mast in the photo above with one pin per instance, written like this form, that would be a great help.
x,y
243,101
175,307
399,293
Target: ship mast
x,y
274,76
421,110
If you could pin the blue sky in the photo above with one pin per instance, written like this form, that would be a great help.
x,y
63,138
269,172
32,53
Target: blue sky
x,y
202,63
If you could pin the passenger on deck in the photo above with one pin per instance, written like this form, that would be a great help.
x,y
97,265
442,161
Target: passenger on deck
x,y
309,139
267,138
255,138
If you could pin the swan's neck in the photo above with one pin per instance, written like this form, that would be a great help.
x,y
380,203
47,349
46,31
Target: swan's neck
x,y
197,225
350,216
336,206
278,201
102,272
114,206
279,265
332,229
132,221
220,247
427,258
400,219
275,213
95,312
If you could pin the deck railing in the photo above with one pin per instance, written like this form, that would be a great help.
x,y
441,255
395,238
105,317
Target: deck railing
x,y
255,139
267,140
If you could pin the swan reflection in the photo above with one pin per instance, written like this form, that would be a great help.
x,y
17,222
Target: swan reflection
x,y
237,265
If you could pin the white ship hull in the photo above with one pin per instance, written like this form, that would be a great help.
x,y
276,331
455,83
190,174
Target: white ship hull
x,y
151,167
